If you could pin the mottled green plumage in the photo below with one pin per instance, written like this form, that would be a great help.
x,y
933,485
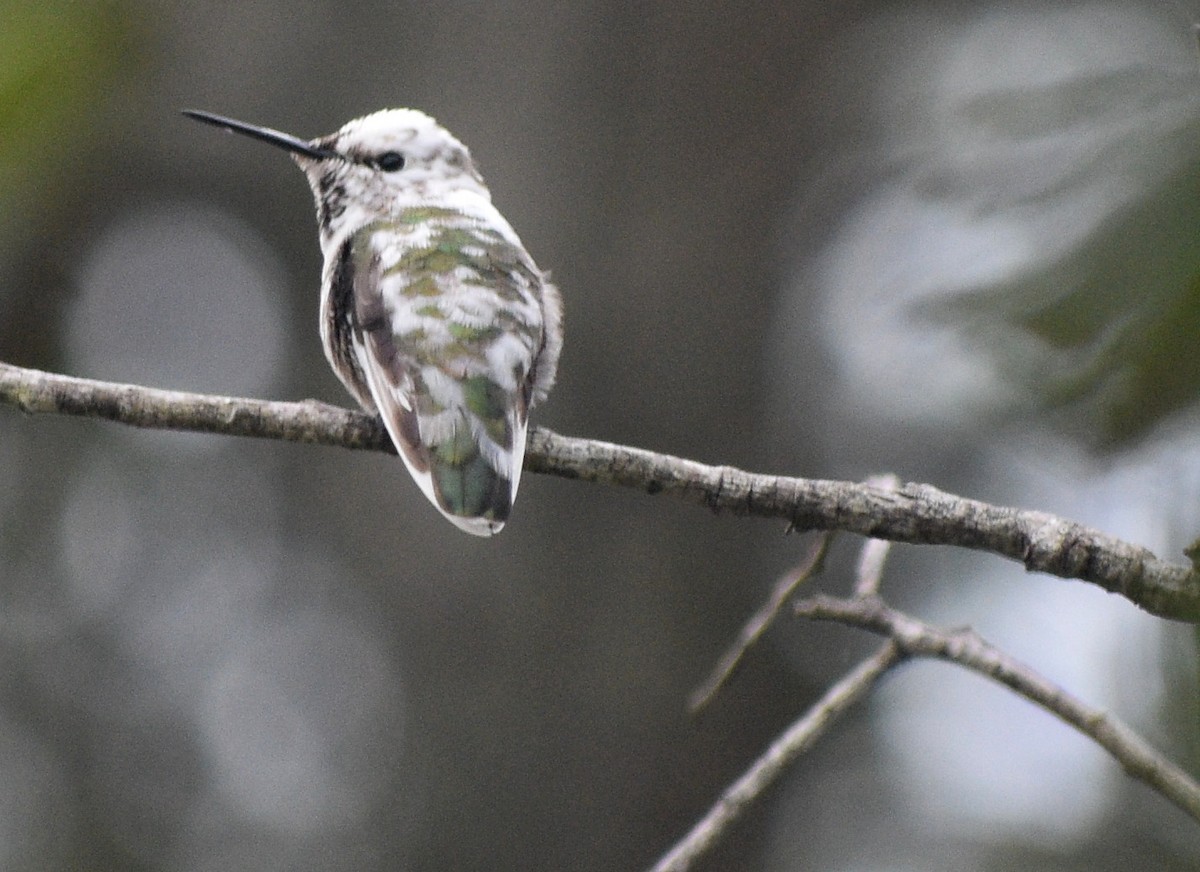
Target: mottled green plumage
x,y
450,327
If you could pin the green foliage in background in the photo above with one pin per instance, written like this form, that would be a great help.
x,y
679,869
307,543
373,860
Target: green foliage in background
x,y
1105,336
59,64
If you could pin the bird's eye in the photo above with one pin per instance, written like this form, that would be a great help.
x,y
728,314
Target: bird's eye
x,y
390,161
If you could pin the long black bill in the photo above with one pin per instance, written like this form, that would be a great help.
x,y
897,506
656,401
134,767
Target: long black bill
x,y
266,134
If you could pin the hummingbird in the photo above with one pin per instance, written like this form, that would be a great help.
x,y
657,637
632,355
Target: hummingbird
x,y
433,314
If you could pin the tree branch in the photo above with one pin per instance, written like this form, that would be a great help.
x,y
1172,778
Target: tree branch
x,y
767,768
914,513
909,638
761,621
965,647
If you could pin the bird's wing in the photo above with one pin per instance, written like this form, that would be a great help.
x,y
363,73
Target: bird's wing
x,y
447,330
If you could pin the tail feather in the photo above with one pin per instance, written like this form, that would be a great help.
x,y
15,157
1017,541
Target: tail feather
x,y
466,484
469,478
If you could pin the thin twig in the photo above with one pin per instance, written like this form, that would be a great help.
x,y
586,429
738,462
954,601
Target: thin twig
x,y
908,637
767,768
753,629
914,513
870,567
966,648
874,552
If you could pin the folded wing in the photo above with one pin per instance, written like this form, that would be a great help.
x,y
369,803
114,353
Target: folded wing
x,y
447,327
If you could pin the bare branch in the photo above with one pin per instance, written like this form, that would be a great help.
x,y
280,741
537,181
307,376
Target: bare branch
x,y
870,567
908,637
753,629
910,513
966,648
874,552
767,768
39,392
914,513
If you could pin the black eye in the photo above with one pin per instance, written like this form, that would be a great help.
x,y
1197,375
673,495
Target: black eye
x,y
390,161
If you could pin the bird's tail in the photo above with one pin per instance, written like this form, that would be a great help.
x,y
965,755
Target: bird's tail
x,y
470,487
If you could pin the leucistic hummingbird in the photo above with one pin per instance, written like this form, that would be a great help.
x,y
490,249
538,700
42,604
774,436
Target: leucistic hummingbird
x,y
433,314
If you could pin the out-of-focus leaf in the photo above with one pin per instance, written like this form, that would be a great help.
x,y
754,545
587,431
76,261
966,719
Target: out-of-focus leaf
x,y
1107,335
58,63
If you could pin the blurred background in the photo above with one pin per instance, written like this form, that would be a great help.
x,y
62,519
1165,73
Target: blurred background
x,y
954,241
